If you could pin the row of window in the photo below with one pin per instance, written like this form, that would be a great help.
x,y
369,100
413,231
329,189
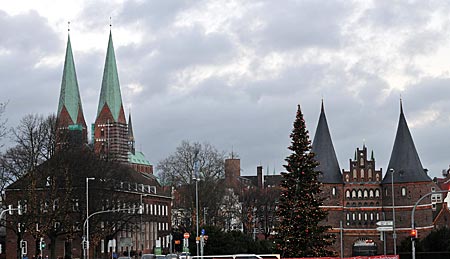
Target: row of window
x,y
149,209
359,216
362,175
359,194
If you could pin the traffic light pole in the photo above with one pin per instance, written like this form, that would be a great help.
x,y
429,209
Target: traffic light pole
x,y
413,241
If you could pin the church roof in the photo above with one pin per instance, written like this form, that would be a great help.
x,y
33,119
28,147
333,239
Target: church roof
x,y
70,95
324,152
110,92
138,158
404,157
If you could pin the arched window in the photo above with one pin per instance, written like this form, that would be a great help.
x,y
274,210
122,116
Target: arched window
x,y
377,192
366,194
354,174
361,160
359,216
362,174
369,174
333,191
403,191
377,177
348,216
347,193
353,194
354,216
371,193
365,216
371,216
359,194
378,216
347,178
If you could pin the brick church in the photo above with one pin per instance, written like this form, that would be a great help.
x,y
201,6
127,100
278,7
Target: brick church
x,y
112,139
358,198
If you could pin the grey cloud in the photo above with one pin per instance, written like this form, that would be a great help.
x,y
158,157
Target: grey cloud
x,y
295,24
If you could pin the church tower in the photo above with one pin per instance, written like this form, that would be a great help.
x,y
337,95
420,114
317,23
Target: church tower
x,y
330,173
70,122
110,128
410,183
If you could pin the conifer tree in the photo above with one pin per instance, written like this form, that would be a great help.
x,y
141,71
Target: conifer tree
x,y
299,233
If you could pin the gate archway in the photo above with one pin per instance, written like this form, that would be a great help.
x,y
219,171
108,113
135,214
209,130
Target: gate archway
x,y
364,247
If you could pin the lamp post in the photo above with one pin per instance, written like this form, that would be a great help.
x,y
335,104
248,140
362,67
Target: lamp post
x,y
196,195
394,234
86,251
413,225
141,210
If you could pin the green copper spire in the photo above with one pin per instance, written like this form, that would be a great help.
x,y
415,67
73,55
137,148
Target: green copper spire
x,y
110,93
70,94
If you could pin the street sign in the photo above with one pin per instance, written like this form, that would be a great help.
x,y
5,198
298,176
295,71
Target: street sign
x,y
386,223
186,235
385,228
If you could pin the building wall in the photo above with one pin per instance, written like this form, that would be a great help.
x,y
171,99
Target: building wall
x,y
365,201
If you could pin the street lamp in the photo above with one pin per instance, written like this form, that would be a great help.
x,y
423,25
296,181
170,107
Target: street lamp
x,y
196,167
86,250
394,234
141,210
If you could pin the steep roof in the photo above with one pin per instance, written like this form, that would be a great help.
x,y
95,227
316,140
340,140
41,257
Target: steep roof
x,y
70,95
110,93
324,152
404,157
130,128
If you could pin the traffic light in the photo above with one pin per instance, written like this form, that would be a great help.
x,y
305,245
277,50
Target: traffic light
x,y
413,233
42,244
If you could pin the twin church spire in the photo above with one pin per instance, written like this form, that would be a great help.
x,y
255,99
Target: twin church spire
x,y
110,130
404,158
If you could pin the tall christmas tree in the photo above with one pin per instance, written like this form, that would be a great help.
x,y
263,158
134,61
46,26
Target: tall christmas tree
x,y
300,233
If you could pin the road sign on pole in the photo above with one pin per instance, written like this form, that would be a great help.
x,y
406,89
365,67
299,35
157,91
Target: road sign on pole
x,y
387,223
385,228
186,235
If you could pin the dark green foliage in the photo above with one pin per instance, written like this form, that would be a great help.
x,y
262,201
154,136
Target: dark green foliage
x,y
234,242
299,233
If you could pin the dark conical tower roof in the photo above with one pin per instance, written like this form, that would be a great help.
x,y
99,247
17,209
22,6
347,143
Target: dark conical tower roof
x,y
404,158
324,152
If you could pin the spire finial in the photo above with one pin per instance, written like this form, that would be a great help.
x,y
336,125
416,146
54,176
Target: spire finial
x,y
322,109
401,105
68,26
110,23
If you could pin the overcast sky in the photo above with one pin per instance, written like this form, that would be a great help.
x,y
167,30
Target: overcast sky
x,y
231,73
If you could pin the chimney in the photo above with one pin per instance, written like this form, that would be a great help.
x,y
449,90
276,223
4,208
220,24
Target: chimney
x,y
259,172
232,172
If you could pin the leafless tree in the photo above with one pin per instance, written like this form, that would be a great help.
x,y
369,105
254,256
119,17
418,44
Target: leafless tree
x,y
178,171
34,140
3,121
54,195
